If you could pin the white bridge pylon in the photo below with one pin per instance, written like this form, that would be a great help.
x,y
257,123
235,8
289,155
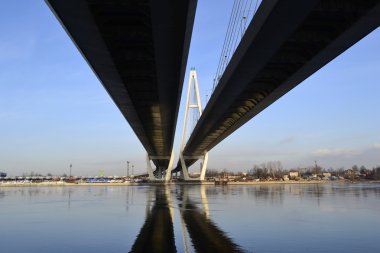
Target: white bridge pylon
x,y
192,87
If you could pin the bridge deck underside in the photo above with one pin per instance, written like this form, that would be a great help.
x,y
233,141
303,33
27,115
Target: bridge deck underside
x,y
138,50
286,42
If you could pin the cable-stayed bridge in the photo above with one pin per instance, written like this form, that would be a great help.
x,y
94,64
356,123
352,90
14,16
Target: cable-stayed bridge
x,y
138,50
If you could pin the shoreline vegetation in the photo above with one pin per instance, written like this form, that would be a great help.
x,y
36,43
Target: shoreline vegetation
x,y
264,174
64,184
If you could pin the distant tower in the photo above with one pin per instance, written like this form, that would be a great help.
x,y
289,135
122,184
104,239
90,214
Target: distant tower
x,y
192,88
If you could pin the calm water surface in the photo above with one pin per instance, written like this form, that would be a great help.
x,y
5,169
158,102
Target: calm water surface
x,y
256,218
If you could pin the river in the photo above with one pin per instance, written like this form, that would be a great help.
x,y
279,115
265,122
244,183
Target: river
x,y
241,218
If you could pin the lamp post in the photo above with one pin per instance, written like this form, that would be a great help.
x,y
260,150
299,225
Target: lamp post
x,y
127,168
70,169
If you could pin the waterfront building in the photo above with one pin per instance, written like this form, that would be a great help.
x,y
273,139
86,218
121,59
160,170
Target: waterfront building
x,y
293,174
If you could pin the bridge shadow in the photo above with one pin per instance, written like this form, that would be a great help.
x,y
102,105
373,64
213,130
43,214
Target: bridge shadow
x,y
157,232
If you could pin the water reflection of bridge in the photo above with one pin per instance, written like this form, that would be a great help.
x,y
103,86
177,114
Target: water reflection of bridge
x,y
157,233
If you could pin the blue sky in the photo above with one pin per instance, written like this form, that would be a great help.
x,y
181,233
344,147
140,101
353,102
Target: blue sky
x,y
54,112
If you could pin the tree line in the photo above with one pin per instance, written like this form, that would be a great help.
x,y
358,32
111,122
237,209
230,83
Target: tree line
x,y
275,170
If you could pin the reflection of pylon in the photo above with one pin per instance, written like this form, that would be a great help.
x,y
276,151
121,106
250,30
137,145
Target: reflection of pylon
x,y
192,86
185,200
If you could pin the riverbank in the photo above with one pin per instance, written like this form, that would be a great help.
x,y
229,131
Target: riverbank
x,y
64,184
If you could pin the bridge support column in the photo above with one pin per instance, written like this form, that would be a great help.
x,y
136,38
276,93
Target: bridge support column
x,y
168,175
168,170
185,170
149,168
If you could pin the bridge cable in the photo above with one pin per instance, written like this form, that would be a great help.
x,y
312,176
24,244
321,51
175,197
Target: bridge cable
x,y
224,45
237,25
230,40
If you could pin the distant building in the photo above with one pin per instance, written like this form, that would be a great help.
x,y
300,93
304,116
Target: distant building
x,y
293,174
3,174
326,174
233,177
348,173
195,174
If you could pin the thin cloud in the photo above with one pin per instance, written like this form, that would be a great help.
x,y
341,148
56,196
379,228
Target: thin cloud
x,y
342,152
335,152
287,140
